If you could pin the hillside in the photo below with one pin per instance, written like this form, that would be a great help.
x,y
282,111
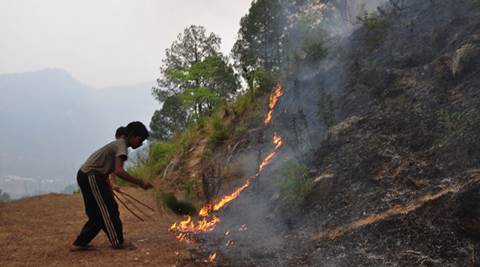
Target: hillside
x,y
363,150
380,158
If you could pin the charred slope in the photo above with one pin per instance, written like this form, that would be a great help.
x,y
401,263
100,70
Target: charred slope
x,y
397,182
394,180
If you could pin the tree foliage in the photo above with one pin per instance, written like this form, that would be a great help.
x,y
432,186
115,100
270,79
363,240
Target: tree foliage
x,y
195,78
259,42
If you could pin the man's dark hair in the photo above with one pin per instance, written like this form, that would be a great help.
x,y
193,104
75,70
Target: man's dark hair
x,y
137,128
122,130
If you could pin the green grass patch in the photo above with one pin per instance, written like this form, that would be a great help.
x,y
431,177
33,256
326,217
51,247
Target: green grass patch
x,y
294,184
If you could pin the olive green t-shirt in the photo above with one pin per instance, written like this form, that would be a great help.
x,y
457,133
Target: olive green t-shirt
x,y
103,160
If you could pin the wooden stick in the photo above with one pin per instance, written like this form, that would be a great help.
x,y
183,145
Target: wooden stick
x,y
125,205
143,204
139,209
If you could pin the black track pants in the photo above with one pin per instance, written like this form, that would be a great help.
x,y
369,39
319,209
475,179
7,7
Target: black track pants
x,y
101,209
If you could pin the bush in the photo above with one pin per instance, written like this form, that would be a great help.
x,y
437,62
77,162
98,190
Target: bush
x,y
240,130
218,133
191,187
315,51
294,184
264,81
143,172
451,121
187,138
377,26
162,152
242,103
326,109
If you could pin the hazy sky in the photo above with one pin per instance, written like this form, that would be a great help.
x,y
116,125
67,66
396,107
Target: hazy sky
x,y
106,42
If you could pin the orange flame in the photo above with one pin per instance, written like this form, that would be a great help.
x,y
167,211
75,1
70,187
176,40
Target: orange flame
x,y
277,140
274,97
205,211
212,257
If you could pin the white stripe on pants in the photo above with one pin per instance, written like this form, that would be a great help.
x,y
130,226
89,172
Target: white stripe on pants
x,y
103,210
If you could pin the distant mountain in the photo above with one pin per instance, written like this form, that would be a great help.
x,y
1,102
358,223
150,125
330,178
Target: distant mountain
x,y
52,122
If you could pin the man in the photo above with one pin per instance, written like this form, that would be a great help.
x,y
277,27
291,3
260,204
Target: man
x,y
100,206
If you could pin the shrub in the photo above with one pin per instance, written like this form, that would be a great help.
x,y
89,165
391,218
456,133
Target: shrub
x,y
377,26
162,152
242,103
326,109
143,172
218,133
314,50
264,81
187,138
294,184
240,130
191,187
451,121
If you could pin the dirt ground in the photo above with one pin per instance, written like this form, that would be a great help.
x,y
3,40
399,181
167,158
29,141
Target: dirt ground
x,y
38,231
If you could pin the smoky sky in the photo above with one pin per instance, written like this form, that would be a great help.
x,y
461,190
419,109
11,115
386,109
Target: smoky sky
x,y
108,42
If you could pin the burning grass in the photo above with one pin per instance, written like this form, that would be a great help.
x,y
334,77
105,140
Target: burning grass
x,y
188,227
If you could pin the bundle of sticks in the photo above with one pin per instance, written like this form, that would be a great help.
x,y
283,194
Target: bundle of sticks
x,y
133,201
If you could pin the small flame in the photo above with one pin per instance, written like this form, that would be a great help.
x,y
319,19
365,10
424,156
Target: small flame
x,y
212,257
277,140
274,97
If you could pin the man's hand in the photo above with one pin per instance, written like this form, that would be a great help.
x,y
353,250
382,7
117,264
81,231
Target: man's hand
x,y
146,185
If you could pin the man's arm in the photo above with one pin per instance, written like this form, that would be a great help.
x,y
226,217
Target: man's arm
x,y
111,182
120,172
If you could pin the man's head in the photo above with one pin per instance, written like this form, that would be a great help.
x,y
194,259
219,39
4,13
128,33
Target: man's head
x,y
121,132
136,133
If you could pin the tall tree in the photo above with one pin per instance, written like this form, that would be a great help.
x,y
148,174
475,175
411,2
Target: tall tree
x,y
190,48
259,42
195,77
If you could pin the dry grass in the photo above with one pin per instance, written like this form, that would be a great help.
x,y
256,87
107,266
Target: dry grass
x,y
38,231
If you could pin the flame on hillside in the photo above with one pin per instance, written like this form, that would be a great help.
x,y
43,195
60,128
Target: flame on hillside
x,y
274,97
208,221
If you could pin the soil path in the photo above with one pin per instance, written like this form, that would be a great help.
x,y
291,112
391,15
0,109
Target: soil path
x,y
38,231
